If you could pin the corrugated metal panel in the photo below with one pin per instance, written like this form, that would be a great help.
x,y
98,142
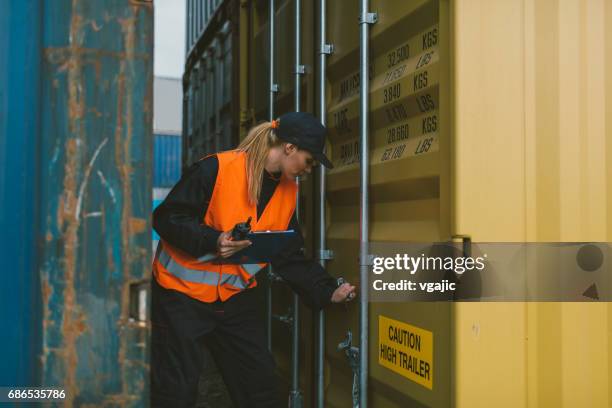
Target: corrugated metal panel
x,y
534,164
198,16
96,198
208,141
210,109
166,160
189,113
20,305
259,60
205,84
188,26
408,182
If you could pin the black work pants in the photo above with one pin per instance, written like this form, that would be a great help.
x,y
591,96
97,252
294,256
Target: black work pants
x,y
234,332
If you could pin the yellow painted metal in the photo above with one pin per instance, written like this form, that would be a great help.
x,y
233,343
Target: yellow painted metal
x,y
532,152
490,338
409,194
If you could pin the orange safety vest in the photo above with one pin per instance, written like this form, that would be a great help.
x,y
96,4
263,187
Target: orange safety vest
x,y
208,281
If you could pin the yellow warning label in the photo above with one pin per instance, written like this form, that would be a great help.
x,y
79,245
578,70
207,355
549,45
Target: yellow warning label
x,y
406,349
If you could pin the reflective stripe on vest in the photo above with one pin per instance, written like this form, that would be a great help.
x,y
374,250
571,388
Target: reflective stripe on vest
x,y
251,269
191,275
206,277
207,257
234,280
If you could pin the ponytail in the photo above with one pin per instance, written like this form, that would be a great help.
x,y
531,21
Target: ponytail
x,y
256,145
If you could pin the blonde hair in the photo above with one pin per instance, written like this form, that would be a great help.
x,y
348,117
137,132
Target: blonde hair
x,y
256,145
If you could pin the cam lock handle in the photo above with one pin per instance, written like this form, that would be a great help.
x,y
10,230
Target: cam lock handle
x,y
352,355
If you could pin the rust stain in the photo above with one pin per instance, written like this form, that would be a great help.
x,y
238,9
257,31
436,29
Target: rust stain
x,y
122,157
129,225
98,69
110,259
95,112
80,326
56,54
141,3
46,292
138,225
120,400
71,327
76,105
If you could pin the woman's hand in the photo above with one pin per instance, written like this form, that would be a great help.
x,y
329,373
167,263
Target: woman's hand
x,y
226,247
344,293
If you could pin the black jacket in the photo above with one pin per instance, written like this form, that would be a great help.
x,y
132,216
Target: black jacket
x,y
179,221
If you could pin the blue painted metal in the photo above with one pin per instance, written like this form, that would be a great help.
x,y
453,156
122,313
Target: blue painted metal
x,y
20,25
76,191
166,160
97,96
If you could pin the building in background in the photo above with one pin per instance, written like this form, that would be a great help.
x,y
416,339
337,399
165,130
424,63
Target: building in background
x,y
167,123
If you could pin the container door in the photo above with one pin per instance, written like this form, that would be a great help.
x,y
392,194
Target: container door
x,y
95,185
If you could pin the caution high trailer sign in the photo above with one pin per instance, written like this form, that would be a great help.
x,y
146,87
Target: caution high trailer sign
x,y
406,349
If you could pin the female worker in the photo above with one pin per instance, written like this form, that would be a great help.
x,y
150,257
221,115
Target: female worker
x,y
196,298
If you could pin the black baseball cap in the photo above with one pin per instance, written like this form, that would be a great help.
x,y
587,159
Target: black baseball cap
x,y
306,132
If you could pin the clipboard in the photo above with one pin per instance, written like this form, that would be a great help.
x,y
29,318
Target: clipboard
x,y
265,246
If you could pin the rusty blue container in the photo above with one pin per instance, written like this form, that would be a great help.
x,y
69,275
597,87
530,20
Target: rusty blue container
x,y
75,182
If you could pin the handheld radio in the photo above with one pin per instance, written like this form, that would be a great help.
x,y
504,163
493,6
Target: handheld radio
x,y
240,230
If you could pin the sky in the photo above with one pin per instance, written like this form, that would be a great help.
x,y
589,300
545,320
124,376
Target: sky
x,y
169,38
